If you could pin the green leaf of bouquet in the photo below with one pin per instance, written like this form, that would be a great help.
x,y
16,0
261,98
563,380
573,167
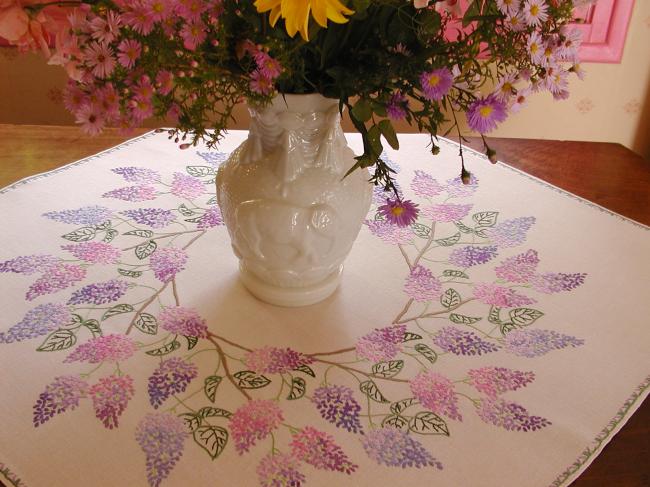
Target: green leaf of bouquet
x,y
452,273
388,131
362,110
395,421
427,352
210,412
165,349
58,340
83,234
247,379
147,323
525,316
144,250
374,137
212,439
399,406
200,171
388,369
305,369
118,309
449,241
370,389
127,273
485,218
298,388
140,233
462,319
210,385
450,298
472,11
428,423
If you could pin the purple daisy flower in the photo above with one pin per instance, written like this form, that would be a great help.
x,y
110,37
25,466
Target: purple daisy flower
x,y
110,397
397,105
509,415
55,279
319,450
152,217
29,264
162,438
168,262
61,395
137,174
395,448
87,215
337,405
114,348
39,321
484,114
401,213
510,233
381,344
472,255
132,193
460,342
94,252
493,381
436,84
534,343
100,292
183,321
436,393
422,285
279,470
171,377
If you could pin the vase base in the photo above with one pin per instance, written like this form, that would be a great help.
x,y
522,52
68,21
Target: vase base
x,y
290,297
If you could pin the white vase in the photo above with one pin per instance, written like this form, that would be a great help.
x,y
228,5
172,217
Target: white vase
x,y
291,215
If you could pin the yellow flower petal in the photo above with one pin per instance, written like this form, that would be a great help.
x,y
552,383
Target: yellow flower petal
x,y
266,5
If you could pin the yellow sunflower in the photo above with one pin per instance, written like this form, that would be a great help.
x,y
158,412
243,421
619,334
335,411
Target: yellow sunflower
x,y
296,13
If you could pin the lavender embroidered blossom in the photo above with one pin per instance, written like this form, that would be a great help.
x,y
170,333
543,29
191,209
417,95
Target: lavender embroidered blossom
x,y
37,322
113,347
185,186
337,405
100,292
87,215
500,296
391,234
425,185
110,397
134,194
395,448
319,450
171,377
55,279
447,212
534,343
460,342
63,394
137,174
94,252
152,217
168,262
215,159
273,360
29,264
161,437
279,470
211,218
421,285
510,233
472,255
183,321
493,381
436,393
254,421
550,283
509,415
457,189
520,268
381,344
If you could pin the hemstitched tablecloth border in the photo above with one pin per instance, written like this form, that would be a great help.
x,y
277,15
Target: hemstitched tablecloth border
x,y
388,350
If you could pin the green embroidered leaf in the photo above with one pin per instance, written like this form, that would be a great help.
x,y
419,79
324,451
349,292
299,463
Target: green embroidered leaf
x,y
408,336
165,349
191,341
75,322
525,316
191,420
399,406
507,327
210,385
452,273
210,181
140,233
210,412
370,389
58,340
450,299
480,233
196,219
427,352
104,226
81,235
485,218
387,369
462,319
128,273
93,326
247,379
298,388
395,421
421,230
379,217
212,439
200,171
305,369
144,250
494,317
463,228
428,423
118,309
449,241
147,323
185,211
110,235
212,201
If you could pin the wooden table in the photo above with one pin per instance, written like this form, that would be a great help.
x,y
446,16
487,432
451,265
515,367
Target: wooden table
x,y
607,174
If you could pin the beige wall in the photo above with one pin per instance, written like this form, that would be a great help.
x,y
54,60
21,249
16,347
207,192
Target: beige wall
x,y
611,105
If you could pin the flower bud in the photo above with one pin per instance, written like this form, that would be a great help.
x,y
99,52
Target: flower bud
x,y
491,155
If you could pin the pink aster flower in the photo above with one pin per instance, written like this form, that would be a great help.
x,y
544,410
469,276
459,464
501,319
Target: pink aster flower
x,y
422,285
260,83
104,30
162,9
319,450
183,321
114,348
139,17
141,109
254,421
273,360
100,58
505,88
193,34
191,9
110,397
91,118
109,101
397,106
185,186
508,7
74,97
168,262
436,393
269,67
557,80
401,213
129,51
164,82
493,381
447,212
535,48
500,296
389,233
484,114
94,252
520,100
515,22
381,344
436,84
570,41
535,12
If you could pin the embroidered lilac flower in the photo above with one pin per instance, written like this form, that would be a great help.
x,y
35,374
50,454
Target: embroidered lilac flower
x,y
100,292
400,213
279,470
509,415
114,348
550,283
55,279
211,218
500,296
61,395
460,342
484,114
171,377
397,105
215,159
395,448
254,421
29,264
137,174
162,438
183,321
391,234
493,381
185,186
87,215
337,405
381,344
447,212
152,217
37,322
94,252
534,343
520,268
273,360
436,393
319,450
422,285
457,189
425,185
510,233
472,255
168,262
436,84
110,397
134,194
